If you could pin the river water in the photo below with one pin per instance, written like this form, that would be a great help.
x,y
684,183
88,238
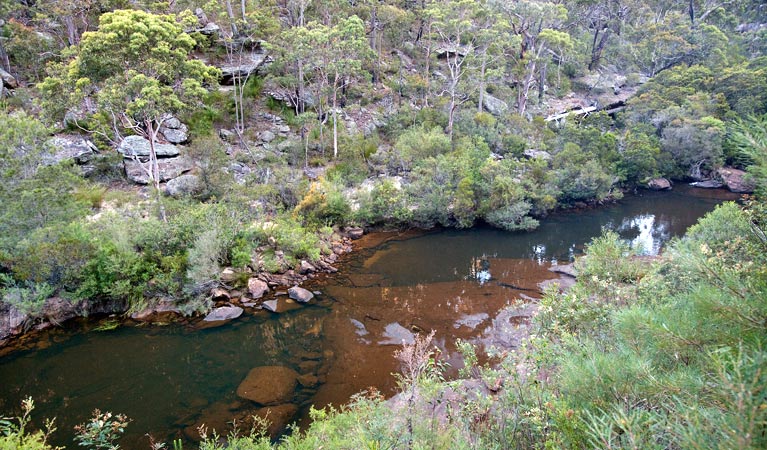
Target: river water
x,y
479,285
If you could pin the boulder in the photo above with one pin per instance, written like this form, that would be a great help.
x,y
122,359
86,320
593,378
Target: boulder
x,y
659,184
308,380
269,385
170,168
165,308
736,180
563,284
396,334
8,80
266,136
227,135
210,29
11,320
306,267
355,232
494,105
300,294
174,131
532,153
137,146
257,288
70,147
223,313
183,185
565,269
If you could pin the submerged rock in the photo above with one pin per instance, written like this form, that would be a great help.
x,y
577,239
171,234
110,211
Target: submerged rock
x,y
269,385
396,334
707,184
279,417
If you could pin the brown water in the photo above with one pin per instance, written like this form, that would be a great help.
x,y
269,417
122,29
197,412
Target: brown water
x,y
478,285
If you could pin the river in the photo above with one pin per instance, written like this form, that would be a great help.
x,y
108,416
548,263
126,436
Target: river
x,y
479,285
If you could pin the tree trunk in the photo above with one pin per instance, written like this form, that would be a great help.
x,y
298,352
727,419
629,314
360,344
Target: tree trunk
x,y
232,19
374,42
152,131
335,117
542,83
242,7
69,22
483,69
6,63
597,48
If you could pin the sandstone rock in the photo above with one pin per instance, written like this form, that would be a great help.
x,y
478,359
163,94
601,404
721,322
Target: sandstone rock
x,y
565,269
563,284
70,147
247,65
227,135
736,181
174,131
183,185
163,309
257,288
138,146
308,380
269,385
659,184
267,136
300,294
707,184
355,232
8,80
306,267
56,310
533,153
220,294
170,168
493,105
223,313
396,334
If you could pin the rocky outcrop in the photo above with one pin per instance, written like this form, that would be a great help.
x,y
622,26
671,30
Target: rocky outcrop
x,y
169,169
174,131
659,184
269,385
300,294
70,147
736,180
137,146
243,66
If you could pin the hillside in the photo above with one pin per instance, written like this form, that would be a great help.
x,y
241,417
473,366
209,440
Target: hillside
x,y
179,157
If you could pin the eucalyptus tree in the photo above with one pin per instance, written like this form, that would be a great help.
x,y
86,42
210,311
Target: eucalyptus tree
x,y
540,26
137,68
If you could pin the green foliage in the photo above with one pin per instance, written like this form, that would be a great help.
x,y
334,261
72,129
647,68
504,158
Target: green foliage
x,y
101,431
418,143
17,436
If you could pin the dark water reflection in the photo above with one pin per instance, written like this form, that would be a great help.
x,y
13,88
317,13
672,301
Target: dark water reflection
x,y
474,284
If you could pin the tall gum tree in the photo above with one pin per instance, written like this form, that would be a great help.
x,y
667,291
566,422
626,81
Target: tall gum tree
x,y
136,66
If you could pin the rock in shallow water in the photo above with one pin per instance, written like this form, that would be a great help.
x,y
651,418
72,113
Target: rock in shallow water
x,y
396,334
269,385
224,313
300,294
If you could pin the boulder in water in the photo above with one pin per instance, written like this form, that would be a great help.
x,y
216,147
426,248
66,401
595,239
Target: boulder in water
x,y
269,385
